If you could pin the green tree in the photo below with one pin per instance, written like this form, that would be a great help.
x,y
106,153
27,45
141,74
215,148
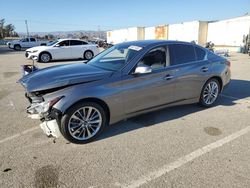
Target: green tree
x,y
2,22
7,30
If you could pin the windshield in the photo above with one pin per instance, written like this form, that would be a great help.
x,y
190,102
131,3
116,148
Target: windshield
x,y
52,43
115,57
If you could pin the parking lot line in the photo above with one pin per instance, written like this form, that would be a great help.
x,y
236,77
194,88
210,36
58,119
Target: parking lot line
x,y
185,159
18,134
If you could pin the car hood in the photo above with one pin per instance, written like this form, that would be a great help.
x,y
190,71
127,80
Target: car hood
x,y
61,76
38,48
14,41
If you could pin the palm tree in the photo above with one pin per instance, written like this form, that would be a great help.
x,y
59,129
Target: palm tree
x,y
9,30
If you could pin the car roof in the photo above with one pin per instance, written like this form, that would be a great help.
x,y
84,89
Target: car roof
x,y
69,39
144,43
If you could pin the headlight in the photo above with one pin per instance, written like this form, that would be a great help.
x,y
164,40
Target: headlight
x,y
47,105
34,51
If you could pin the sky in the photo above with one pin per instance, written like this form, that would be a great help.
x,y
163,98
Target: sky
x,y
70,15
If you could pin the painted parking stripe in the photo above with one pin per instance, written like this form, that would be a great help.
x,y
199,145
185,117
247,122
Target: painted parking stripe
x,y
185,159
18,135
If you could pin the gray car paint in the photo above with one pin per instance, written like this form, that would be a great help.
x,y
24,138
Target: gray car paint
x,y
125,94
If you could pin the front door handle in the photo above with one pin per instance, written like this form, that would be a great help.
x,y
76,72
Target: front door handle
x,y
204,69
168,77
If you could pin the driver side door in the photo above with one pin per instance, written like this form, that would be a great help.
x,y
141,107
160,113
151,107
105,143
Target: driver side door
x,y
61,50
147,91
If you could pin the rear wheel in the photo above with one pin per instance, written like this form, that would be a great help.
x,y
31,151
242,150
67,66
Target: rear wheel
x,y
44,57
88,55
83,122
210,93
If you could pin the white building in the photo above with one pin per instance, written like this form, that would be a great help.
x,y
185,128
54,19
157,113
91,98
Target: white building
x,y
225,33
123,35
158,32
189,31
229,32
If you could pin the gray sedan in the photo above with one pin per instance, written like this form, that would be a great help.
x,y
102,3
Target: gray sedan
x,y
79,100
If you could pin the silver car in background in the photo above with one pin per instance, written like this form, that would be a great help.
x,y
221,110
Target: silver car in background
x,y
80,100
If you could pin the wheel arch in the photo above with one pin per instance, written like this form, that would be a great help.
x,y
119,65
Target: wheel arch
x,y
17,45
44,52
95,100
219,80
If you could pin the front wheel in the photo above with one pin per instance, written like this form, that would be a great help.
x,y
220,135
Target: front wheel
x,y
210,93
83,122
44,57
17,47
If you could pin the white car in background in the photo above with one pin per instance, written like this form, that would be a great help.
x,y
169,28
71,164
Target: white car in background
x,y
63,49
25,43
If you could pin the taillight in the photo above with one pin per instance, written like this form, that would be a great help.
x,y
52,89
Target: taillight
x,y
228,63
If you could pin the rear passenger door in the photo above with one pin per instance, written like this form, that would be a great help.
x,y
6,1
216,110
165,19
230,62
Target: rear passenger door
x,y
191,70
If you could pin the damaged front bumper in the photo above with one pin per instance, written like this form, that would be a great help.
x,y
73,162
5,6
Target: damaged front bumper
x,y
51,128
44,111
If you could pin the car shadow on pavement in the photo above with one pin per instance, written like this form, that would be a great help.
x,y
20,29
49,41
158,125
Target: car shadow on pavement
x,y
6,50
237,89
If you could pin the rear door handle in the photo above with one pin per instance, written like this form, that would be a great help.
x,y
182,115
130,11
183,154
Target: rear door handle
x,y
168,77
204,69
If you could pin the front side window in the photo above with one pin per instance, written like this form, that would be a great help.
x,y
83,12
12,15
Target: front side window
x,y
52,43
75,42
155,58
115,57
64,43
181,53
25,40
32,40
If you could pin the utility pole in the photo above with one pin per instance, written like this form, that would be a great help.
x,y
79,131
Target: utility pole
x,y
26,23
99,33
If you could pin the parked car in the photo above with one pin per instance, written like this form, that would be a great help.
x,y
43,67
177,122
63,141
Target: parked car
x,y
80,100
26,43
63,49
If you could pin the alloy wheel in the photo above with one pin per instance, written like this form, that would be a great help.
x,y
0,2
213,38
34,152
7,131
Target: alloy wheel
x,y
88,55
45,57
85,123
210,93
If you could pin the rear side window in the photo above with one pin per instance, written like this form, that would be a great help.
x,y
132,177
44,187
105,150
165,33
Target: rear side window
x,y
200,53
75,42
181,53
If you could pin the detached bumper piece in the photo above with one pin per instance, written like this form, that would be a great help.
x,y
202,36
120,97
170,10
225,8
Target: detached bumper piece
x,y
51,128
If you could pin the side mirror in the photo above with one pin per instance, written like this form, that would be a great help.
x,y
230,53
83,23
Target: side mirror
x,y
57,45
143,69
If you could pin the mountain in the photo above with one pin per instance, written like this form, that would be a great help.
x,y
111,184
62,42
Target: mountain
x,y
69,34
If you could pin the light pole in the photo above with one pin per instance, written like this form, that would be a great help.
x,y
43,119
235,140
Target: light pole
x,y
26,23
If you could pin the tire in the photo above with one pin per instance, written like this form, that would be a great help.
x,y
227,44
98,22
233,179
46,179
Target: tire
x,y
208,96
17,47
88,55
75,124
44,57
